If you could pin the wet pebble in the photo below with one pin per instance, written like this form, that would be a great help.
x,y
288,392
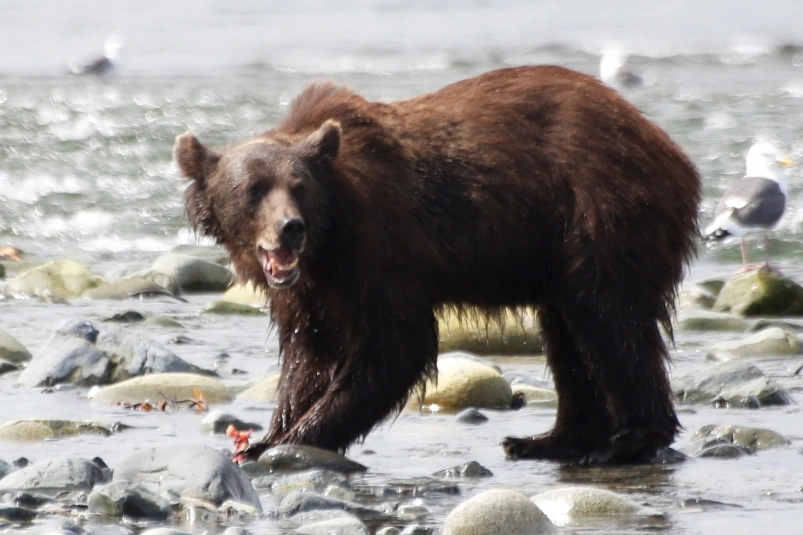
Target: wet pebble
x,y
498,512
471,416
297,457
87,354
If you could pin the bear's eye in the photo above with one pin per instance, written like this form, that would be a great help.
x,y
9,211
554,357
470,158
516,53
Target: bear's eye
x,y
257,190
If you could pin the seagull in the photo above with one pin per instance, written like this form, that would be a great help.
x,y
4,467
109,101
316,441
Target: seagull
x,y
613,71
753,203
102,65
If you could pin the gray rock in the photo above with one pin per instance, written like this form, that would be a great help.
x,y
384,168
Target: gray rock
x,y
191,471
194,274
515,333
471,416
318,515
389,530
11,350
732,383
469,469
754,438
498,512
298,502
772,341
86,354
410,512
534,393
297,457
122,498
263,390
216,423
246,294
33,430
56,476
335,526
5,468
215,254
717,448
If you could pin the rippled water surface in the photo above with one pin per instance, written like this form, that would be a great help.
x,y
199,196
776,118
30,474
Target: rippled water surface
x,y
86,173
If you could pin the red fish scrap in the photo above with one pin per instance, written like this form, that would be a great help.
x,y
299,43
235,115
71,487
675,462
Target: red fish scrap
x,y
240,440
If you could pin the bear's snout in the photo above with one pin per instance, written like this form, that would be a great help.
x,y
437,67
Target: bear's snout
x,y
291,231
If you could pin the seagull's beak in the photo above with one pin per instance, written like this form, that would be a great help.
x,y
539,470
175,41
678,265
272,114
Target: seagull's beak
x,y
786,162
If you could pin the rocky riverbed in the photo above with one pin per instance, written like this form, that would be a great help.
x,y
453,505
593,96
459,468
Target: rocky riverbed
x,y
118,389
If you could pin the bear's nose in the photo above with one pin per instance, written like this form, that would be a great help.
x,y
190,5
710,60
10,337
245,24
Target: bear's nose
x,y
291,232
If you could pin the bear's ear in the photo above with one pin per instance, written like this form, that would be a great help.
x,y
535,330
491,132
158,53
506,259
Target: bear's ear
x,y
193,159
324,143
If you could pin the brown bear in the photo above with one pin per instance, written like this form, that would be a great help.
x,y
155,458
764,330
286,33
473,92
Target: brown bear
x,y
523,187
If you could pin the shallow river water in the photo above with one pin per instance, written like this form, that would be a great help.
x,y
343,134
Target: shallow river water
x,y
86,173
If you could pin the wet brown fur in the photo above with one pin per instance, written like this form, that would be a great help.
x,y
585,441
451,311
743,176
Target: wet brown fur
x,y
524,187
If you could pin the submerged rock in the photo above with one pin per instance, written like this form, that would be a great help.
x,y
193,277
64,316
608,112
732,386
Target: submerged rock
x,y
326,482
732,383
760,292
515,334
497,512
755,438
191,471
86,354
566,504
33,430
346,525
299,502
56,476
716,448
772,341
469,469
465,382
154,387
11,350
62,278
298,457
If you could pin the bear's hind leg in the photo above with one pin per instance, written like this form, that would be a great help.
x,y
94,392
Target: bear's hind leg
x,y
627,356
582,423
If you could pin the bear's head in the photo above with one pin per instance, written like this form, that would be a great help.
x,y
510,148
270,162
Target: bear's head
x,y
262,199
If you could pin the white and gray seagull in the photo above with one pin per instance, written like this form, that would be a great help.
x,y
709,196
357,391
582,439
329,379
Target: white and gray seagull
x,y
754,203
112,49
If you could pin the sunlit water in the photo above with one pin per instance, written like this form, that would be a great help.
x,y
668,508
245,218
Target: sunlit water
x,y
86,173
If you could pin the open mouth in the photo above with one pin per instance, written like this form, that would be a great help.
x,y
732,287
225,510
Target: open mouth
x,y
280,266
